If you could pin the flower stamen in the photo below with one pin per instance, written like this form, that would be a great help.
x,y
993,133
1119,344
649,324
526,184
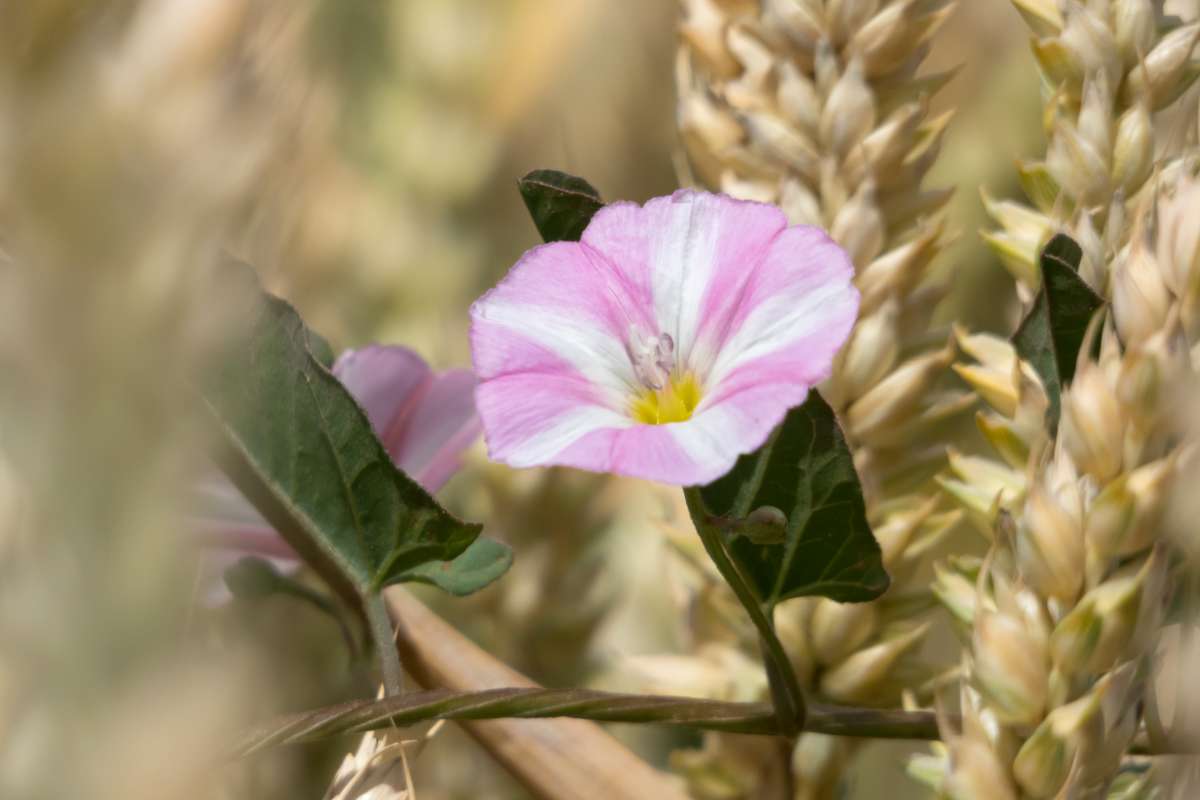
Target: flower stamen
x,y
653,358
673,403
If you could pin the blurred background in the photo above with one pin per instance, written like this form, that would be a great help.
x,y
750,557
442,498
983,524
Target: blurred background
x,y
363,156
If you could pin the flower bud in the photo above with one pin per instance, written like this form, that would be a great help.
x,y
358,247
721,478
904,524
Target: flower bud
x,y
1092,428
763,525
1050,544
849,112
1162,76
860,677
838,629
1011,666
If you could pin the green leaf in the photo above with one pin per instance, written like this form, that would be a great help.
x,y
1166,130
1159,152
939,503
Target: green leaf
x,y
483,562
1052,332
825,547
321,350
561,205
301,449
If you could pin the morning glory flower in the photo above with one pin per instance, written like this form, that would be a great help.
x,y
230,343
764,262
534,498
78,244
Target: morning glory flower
x,y
424,419
670,339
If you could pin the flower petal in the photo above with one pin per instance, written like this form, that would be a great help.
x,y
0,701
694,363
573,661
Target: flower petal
x,y
388,382
795,311
685,256
529,418
442,426
755,310
558,305
424,419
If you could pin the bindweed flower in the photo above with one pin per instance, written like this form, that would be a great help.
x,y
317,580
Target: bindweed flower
x,y
670,339
424,419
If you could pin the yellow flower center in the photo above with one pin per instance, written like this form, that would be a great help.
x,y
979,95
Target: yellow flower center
x,y
675,402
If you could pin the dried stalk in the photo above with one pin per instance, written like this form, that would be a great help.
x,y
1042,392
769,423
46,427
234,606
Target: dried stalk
x,y
600,767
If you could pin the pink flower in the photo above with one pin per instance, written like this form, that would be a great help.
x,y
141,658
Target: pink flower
x,y
670,339
425,420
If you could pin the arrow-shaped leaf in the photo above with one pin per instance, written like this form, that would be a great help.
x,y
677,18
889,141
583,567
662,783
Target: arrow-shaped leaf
x,y
480,564
301,449
1052,332
561,205
804,477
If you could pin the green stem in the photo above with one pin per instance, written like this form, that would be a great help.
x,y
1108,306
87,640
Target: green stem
x,y
385,643
786,693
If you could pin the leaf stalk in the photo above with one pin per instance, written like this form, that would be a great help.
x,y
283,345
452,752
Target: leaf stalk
x,y
786,694
383,635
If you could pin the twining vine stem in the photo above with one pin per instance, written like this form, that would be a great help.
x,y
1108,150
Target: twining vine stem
x,y
528,703
785,688
534,703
